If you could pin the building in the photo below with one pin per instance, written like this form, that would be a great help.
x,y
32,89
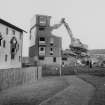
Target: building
x,y
45,48
10,45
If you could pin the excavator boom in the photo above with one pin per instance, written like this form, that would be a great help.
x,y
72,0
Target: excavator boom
x,y
76,45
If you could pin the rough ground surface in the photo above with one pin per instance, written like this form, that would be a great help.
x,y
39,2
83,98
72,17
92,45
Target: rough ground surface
x,y
68,90
99,84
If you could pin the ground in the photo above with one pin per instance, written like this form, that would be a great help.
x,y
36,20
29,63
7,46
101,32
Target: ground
x,y
99,84
65,90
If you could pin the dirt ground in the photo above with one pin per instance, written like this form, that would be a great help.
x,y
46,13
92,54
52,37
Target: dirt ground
x,y
65,90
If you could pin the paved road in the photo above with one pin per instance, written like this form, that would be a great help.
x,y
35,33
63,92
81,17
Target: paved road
x,y
68,90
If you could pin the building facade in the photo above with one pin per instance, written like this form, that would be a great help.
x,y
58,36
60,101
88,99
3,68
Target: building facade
x,y
44,47
10,45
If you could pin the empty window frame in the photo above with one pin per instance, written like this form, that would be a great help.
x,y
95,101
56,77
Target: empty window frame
x,y
51,49
41,28
54,59
64,58
42,38
41,49
41,57
51,53
12,56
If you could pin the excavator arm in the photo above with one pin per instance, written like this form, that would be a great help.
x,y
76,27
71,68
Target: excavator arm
x,y
56,26
76,45
68,29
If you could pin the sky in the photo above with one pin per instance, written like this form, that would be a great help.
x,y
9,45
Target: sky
x,y
86,19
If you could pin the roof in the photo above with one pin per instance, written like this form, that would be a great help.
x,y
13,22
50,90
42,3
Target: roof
x,y
97,51
11,25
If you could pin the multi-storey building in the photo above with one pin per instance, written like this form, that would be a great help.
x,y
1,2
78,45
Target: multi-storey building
x,y
45,47
10,45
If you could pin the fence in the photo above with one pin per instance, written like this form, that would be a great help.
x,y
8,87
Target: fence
x,y
14,77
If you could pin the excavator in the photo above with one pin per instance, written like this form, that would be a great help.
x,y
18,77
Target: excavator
x,y
76,45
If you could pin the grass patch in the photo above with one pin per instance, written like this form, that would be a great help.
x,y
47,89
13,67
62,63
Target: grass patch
x,y
98,83
33,93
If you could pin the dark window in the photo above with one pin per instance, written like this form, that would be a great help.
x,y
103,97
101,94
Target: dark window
x,y
41,58
30,34
51,49
41,49
12,53
6,57
12,56
0,42
51,53
7,31
13,32
41,28
19,58
62,63
42,39
64,58
4,43
0,39
54,59
51,44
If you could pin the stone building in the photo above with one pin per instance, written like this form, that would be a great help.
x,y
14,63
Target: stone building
x,y
45,48
10,45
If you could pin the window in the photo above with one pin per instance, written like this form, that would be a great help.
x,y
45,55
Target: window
x,y
51,41
64,58
51,53
51,49
41,49
13,32
12,56
6,31
42,39
4,43
41,28
42,20
41,58
6,57
19,58
0,39
54,59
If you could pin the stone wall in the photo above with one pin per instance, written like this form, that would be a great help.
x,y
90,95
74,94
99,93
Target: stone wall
x,y
13,77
